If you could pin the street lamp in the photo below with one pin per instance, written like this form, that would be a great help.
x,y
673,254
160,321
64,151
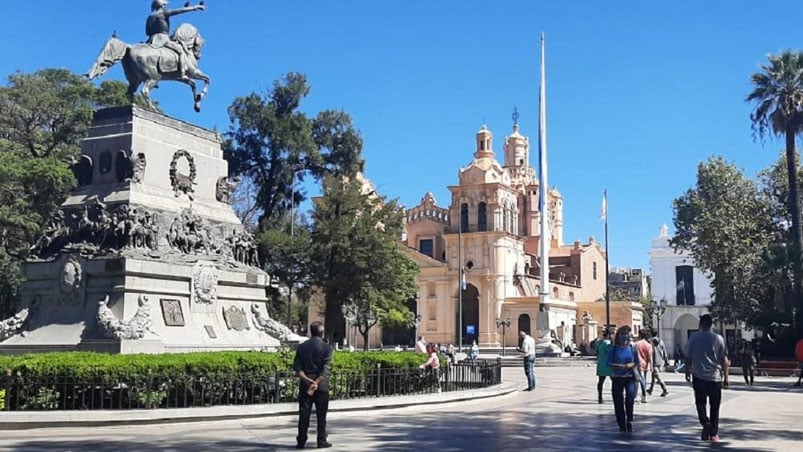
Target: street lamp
x,y
660,308
350,314
292,230
505,324
415,319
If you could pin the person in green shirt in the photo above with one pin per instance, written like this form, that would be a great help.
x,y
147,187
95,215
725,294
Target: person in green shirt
x,y
603,369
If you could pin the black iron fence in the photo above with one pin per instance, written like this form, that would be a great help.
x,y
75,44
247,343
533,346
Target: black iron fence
x,y
20,393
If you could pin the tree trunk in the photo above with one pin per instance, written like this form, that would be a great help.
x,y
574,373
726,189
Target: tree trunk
x,y
797,228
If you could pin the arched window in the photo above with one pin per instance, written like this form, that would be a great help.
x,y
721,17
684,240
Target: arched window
x,y
555,293
482,217
464,217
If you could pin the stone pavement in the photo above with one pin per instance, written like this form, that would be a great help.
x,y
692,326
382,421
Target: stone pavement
x,y
562,414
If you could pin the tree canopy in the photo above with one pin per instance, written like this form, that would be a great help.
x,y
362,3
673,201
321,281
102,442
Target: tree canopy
x,y
271,143
357,256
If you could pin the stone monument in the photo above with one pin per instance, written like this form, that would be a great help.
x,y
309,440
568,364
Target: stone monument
x,y
147,254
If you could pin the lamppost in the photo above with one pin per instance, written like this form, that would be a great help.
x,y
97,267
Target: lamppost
x,y
660,308
350,314
505,324
415,319
292,230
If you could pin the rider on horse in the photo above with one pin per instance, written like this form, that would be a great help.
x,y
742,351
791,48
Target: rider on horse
x,y
157,27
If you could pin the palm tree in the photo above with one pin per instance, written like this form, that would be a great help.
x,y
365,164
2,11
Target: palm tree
x,y
778,94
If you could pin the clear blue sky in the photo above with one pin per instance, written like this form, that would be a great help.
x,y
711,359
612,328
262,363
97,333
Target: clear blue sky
x,y
638,94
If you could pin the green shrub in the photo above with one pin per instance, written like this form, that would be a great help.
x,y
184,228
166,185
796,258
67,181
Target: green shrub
x,y
86,380
2,399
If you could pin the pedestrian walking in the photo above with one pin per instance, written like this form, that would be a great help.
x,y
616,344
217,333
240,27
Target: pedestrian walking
x,y
313,365
421,345
799,355
473,352
707,362
659,360
679,358
603,369
624,361
747,359
528,350
644,349
432,367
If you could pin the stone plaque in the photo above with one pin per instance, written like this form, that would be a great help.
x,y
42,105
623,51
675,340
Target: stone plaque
x,y
251,278
210,330
235,318
171,312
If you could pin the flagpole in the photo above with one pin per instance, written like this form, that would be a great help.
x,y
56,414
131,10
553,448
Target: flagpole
x,y
543,319
460,280
607,270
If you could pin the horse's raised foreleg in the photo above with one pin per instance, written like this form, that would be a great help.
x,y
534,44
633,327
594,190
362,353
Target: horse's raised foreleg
x,y
198,75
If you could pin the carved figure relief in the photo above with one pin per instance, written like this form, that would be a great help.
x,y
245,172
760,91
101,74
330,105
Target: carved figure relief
x,y
99,230
71,281
264,323
136,328
123,167
138,171
225,189
82,169
105,162
171,312
236,318
189,233
204,283
14,324
181,182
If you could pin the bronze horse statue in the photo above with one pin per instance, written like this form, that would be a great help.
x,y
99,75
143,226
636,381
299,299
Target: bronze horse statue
x,y
147,66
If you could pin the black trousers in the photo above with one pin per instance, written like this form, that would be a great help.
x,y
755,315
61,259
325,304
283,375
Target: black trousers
x,y
321,401
708,392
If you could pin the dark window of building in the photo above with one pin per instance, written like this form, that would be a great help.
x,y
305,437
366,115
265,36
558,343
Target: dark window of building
x,y
684,285
464,217
425,246
594,270
482,217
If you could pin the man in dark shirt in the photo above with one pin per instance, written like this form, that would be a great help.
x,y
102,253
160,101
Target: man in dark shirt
x,y
313,363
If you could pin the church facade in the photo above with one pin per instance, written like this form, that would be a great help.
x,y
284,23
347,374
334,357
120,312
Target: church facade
x,y
490,230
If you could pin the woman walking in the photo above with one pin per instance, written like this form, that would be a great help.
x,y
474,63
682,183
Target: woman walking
x,y
603,369
624,361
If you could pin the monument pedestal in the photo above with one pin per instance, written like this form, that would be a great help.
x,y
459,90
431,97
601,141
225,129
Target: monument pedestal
x,y
147,255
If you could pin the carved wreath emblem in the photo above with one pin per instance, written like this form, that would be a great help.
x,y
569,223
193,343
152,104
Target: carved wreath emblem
x,y
204,281
183,183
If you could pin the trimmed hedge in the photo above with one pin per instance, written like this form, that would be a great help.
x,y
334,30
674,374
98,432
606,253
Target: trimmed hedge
x,y
86,380
114,367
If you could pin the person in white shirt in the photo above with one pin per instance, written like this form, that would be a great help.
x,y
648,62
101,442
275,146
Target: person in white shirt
x,y
528,349
421,345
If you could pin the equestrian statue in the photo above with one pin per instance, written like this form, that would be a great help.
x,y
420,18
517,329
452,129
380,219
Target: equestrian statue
x,y
162,57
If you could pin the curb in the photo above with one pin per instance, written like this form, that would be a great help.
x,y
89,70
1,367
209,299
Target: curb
x,y
22,420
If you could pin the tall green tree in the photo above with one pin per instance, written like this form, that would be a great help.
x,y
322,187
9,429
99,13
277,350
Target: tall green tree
x,y
272,144
778,95
43,117
287,257
357,257
726,243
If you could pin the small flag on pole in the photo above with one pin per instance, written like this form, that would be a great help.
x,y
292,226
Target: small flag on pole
x,y
603,213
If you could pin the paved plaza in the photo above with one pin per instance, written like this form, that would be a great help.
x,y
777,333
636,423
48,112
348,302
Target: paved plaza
x,y
562,414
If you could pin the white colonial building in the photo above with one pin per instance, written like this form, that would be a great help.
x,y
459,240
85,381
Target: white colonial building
x,y
686,291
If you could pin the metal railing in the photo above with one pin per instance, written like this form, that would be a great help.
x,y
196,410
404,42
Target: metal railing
x,y
149,391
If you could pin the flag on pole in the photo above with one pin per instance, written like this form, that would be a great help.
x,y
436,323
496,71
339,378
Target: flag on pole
x,y
603,213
